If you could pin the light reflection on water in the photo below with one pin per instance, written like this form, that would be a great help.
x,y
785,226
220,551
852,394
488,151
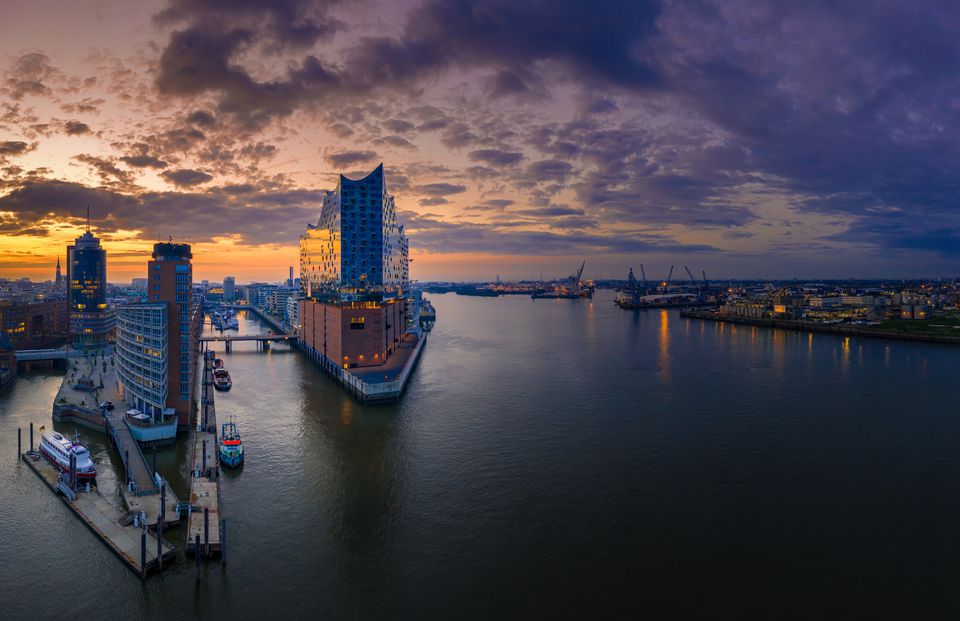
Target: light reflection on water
x,y
550,458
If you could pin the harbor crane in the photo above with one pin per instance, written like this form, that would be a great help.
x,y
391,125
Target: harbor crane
x,y
669,277
690,274
643,274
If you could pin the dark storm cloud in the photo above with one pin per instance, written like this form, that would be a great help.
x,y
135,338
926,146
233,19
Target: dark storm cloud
x,y
257,217
186,177
346,159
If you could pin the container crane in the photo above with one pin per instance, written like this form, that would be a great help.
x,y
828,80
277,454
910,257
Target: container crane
x,y
643,274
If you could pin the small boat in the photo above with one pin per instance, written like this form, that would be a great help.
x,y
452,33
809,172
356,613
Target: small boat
x,y
221,379
231,447
57,449
217,363
232,324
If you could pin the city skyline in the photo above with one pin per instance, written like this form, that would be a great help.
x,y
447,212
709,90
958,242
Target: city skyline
x,y
748,139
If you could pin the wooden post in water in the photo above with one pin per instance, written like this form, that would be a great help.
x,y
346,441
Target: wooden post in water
x,y
31,436
206,531
160,520
196,553
19,443
143,554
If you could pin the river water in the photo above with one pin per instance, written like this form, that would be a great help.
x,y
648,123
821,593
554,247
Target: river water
x,y
550,457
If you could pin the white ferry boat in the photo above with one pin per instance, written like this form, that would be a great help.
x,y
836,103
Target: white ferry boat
x,y
57,449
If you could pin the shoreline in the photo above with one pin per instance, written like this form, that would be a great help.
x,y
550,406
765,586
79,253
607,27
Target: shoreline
x,y
798,325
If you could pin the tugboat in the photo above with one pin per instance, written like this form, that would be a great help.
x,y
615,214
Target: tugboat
x,y
57,449
221,379
231,447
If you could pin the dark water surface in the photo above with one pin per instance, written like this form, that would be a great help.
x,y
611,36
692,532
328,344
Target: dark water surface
x,y
550,457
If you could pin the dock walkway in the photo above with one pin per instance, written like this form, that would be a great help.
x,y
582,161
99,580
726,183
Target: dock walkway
x,y
205,515
136,465
107,522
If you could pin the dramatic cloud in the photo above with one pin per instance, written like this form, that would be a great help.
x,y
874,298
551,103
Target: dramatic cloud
x,y
186,177
441,189
740,128
76,128
496,157
143,161
345,159
253,218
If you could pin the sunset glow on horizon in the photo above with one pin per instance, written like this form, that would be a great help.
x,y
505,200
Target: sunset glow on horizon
x,y
661,133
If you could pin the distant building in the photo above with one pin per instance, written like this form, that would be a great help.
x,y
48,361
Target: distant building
x,y
258,293
8,361
34,324
91,320
293,313
158,341
58,283
354,270
277,299
290,278
229,289
139,283
915,311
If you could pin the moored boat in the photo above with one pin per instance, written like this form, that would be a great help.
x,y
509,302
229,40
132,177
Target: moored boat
x,y
221,379
57,449
231,447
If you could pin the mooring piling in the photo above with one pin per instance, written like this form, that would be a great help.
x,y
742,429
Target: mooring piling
x,y
143,554
206,531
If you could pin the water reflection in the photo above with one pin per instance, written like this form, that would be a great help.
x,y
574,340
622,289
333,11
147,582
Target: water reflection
x,y
663,347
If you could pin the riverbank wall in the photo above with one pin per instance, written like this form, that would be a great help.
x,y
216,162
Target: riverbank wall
x,y
364,390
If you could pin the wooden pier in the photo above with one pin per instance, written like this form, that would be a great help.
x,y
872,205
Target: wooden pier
x,y
136,547
205,522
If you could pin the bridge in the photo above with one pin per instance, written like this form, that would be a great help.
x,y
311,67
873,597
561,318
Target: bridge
x,y
263,340
35,355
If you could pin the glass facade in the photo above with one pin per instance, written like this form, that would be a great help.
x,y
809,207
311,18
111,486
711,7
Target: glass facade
x,y
356,251
91,322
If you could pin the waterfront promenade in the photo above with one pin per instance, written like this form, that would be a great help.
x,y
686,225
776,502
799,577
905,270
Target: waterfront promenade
x,y
841,329
204,524
136,546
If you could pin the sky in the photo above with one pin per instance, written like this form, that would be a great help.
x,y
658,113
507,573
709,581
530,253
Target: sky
x,y
742,138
